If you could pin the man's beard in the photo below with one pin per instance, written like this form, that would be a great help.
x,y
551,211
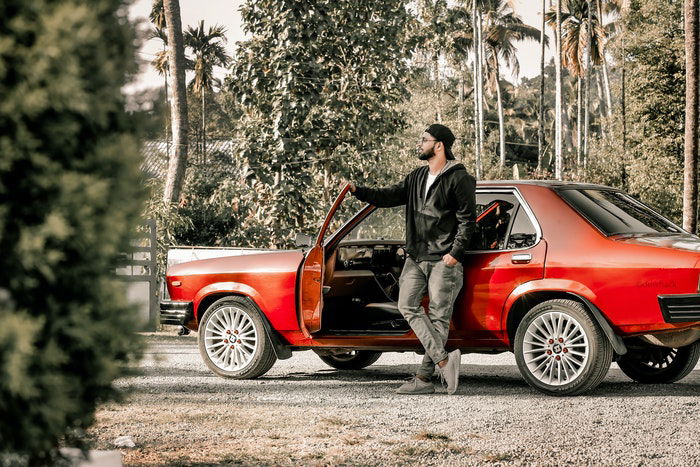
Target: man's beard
x,y
424,156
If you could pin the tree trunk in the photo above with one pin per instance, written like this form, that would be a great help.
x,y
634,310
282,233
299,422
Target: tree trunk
x,y
460,110
167,110
204,129
599,93
480,44
692,91
623,115
558,165
587,89
438,90
501,125
478,145
606,80
176,60
540,128
579,123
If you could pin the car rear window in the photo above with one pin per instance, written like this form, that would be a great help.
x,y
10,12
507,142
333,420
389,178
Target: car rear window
x,y
614,212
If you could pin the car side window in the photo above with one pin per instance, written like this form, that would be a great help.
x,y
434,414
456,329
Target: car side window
x,y
523,234
494,212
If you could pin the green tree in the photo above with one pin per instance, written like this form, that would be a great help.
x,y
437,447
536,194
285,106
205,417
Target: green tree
x,y
70,197
319,82
208,49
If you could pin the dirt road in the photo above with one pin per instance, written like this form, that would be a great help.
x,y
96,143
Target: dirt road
x,y
305,413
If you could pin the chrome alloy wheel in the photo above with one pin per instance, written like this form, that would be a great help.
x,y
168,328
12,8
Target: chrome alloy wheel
x,y
555,348
658,358
230,338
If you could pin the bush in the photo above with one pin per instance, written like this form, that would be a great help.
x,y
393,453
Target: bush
x,y
69,201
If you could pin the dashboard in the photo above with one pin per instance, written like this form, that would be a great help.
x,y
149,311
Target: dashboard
x,y
376,255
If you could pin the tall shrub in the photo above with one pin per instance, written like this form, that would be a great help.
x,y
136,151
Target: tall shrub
x,y
69,202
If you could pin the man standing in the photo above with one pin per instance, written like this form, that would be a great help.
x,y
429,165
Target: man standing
x,y
440,218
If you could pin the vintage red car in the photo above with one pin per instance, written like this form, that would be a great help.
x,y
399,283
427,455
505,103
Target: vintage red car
x,y
568,276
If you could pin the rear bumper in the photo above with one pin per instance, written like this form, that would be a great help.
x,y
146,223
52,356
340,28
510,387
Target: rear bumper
x,y
680,308
173,312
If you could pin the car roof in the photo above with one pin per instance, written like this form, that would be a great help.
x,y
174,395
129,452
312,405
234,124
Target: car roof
x,y
543,183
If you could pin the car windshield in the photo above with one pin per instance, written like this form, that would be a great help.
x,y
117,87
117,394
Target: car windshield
x,y
614,212
381,224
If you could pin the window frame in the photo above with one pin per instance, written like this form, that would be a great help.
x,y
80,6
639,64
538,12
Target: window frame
x,y
520,203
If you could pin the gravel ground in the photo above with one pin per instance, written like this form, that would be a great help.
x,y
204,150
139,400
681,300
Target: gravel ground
x,y
305,413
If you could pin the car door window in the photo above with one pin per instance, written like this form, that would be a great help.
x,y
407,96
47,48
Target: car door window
x,y
494,214
522,234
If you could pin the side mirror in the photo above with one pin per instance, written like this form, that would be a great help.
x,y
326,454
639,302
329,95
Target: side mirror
x,y
303,241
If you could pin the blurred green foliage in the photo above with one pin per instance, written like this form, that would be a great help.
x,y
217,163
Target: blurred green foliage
x,y
70,198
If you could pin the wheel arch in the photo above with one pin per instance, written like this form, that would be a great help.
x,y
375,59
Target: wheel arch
x,y
526,301
279,344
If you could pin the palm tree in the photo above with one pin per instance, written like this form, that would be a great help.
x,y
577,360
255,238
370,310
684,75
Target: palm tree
x,y
540,116
692,91
502,29
557,105
477,61
582,39
459,44
208,49
176,59
160,63
157,15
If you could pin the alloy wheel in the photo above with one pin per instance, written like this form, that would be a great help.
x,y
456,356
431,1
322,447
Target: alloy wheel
x,y
555,348
231,338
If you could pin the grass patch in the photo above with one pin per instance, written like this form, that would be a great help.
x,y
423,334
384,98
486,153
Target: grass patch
x,y
333,421
429,435
499,457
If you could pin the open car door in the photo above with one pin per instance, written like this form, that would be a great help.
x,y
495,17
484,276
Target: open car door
x,y
311,276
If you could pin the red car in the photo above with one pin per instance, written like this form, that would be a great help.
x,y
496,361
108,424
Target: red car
x,y
568,276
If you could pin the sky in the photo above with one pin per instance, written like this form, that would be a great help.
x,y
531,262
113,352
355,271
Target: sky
x,y
225,12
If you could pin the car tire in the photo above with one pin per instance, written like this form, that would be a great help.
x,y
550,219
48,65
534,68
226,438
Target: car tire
x,y
560,349
660,365
249,355
354,360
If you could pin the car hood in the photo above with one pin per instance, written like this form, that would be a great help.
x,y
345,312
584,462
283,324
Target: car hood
x,y
685,242
275,261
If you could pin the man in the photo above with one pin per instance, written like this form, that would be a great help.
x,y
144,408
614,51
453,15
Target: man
x,y
440,218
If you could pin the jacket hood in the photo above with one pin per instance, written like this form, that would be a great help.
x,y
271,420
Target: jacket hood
x,y
450,166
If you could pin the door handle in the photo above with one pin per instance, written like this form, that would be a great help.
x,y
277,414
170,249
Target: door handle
x,y
521,258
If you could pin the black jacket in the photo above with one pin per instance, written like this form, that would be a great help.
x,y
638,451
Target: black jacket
x,y
443,222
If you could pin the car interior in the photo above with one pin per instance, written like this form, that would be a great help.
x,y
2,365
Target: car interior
x,y
361,281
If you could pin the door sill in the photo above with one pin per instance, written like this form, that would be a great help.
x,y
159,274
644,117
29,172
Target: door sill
x,y
363,332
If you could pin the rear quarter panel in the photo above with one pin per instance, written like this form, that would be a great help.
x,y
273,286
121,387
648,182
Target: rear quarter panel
x,y
624,280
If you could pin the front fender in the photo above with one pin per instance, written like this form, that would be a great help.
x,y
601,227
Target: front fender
x,y
274,298
228,287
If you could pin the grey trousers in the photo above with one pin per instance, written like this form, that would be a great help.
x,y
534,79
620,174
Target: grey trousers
x,y
442,283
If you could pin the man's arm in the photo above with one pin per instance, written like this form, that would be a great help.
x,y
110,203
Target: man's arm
x,y
395,195
465,192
